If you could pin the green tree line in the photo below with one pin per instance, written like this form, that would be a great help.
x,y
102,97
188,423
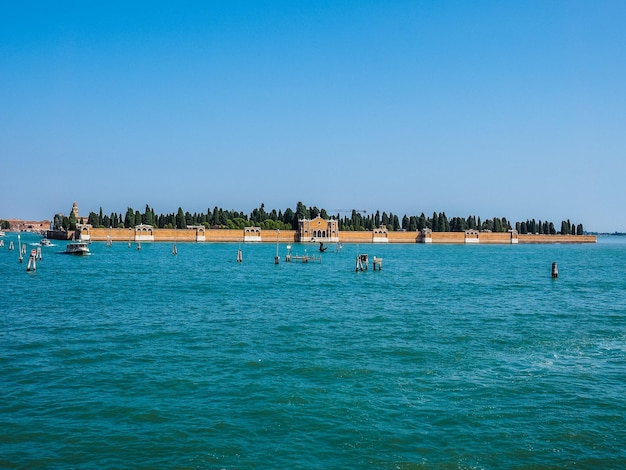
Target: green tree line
x,y
354,220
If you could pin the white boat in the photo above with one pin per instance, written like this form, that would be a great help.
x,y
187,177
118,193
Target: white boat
x,y
77,248
44,242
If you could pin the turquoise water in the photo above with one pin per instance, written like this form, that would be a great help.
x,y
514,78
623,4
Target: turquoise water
x,y
450,357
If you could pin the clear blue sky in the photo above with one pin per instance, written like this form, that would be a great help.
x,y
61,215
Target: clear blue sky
x,y
489,108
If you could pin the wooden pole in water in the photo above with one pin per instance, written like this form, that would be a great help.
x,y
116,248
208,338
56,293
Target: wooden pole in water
x,y
239,256
19,246
378,262
555,270
277,258
32,261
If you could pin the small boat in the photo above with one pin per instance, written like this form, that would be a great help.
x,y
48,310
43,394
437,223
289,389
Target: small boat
x,y
77,248
44,242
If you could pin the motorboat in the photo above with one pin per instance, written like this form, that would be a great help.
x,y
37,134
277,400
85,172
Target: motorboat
x,y
44,242
77,248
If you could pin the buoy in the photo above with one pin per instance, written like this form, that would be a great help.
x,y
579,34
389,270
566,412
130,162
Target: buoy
x,y
555,270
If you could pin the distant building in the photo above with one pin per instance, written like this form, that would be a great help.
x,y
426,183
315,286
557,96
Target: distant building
x,y
318,230
17,225
78,217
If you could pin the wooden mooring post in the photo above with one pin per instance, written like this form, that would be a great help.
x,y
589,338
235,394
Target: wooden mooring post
x,y
32,261
277,258
378,263
555,270
361,263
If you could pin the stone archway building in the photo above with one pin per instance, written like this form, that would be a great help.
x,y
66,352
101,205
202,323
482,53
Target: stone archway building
x,y
318,230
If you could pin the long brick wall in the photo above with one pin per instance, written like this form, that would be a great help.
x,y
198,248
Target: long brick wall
x,y
449,237
189,235
290,236
528,238
355,237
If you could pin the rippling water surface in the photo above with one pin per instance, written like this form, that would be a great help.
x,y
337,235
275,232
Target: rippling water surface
x,y
450,357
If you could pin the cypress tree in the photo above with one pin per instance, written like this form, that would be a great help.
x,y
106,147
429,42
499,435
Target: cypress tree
x,y
523,228
385,219
443,220
396,222
180,219
129,219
